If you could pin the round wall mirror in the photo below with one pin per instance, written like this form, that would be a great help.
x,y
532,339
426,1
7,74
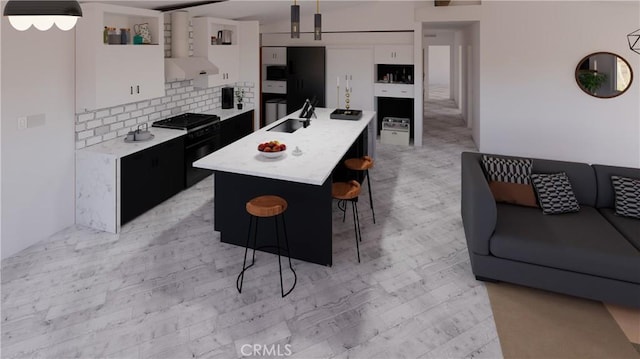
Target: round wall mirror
x,y
604,75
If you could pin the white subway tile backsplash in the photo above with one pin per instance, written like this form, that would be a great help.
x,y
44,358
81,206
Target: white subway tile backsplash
x,y
181,96
117,110
84,134
124,116
94,124
86,117
117,126
102,113
102,130
109,136
94,140
109,120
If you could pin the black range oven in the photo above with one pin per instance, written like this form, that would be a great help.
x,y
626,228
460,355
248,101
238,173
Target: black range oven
x,y
202,138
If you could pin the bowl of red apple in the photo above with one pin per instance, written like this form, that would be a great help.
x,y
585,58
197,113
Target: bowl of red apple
x,y
272,149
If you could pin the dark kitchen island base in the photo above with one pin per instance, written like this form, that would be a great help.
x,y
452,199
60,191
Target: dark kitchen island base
x,y
308,216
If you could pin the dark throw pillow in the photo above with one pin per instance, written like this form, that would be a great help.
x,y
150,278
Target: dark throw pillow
x,y
555,193
627,196
509,180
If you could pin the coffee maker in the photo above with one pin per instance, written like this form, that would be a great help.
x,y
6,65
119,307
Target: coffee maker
x,y
227,97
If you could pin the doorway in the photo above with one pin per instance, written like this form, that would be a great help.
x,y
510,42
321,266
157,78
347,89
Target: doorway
x,y
439,68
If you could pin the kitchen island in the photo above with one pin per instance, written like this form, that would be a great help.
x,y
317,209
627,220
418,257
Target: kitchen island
x,y
241,173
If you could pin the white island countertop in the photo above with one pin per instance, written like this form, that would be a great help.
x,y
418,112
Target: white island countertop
x,y
323,144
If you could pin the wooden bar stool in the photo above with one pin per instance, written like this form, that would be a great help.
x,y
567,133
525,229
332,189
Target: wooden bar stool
x,y
363,163
264,207
349,191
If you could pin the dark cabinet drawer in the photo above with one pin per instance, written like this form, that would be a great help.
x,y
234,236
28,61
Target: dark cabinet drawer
x,y
149,177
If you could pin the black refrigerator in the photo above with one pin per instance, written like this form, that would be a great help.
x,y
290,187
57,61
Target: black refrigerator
x,y
305,76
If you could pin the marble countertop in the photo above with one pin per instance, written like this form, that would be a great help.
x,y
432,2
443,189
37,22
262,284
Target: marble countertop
x,y
118,148
323,144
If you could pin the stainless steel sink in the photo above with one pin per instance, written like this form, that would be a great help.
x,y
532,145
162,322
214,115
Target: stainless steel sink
x,y
290,125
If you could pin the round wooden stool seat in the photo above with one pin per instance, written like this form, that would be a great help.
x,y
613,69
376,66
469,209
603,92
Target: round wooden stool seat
x,y
345,190
266,206
359,164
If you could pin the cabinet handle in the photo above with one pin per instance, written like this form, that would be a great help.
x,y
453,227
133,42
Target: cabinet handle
x,y
403,91
384,90
132,90
138,88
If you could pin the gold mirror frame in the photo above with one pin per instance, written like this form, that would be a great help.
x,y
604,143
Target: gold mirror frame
x,y
590,79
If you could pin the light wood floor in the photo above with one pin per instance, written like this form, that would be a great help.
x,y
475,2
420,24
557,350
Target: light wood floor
x,y
165,286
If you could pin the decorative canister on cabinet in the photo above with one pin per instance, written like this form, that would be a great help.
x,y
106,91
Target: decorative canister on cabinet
x,y
125,36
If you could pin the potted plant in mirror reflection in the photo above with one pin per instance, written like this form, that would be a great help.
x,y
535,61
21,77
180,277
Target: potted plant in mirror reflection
x,y
591,80
239,97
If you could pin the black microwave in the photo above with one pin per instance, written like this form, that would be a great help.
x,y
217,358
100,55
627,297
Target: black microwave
x,y
276,73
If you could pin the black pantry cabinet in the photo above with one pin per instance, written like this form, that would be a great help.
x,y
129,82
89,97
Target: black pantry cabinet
x,y
150,177
305,76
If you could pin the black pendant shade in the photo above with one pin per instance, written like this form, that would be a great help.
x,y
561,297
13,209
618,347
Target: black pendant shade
x,y
295,21
42,14
317,27
40,8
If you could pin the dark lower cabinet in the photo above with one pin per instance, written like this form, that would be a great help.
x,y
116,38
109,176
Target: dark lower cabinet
x,y
150,177
233,129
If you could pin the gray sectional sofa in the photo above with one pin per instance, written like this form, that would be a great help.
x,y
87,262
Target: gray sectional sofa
x,y
593,253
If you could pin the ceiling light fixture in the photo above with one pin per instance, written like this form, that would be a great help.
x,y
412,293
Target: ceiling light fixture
x,y
317,23
295,20
42,14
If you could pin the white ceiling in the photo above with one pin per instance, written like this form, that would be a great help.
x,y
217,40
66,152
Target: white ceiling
x,y
265,11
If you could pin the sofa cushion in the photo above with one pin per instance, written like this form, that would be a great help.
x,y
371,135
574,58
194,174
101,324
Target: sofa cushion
x,y
555,193
603,173
512,170
581,175
627,191
509,180
583,242
628,227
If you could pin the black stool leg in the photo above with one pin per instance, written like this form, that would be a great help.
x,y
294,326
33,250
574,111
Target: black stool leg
x,y
286,242
356,226
246,249
370,197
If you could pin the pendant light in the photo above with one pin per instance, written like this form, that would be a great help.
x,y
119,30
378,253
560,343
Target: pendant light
x,y
42,14
295,20
317,23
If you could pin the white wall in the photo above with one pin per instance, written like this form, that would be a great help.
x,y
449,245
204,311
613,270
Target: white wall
x,y
525,98
531,104
439,63
37,163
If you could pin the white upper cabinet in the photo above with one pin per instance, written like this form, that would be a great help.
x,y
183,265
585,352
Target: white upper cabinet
x,y
394,54
225,57
274,55
116,74
341,67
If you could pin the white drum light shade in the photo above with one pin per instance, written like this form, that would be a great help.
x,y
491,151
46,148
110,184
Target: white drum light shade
x,y
42,14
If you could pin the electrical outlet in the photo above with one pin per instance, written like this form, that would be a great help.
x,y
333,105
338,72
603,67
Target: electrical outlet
x,y
22,123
